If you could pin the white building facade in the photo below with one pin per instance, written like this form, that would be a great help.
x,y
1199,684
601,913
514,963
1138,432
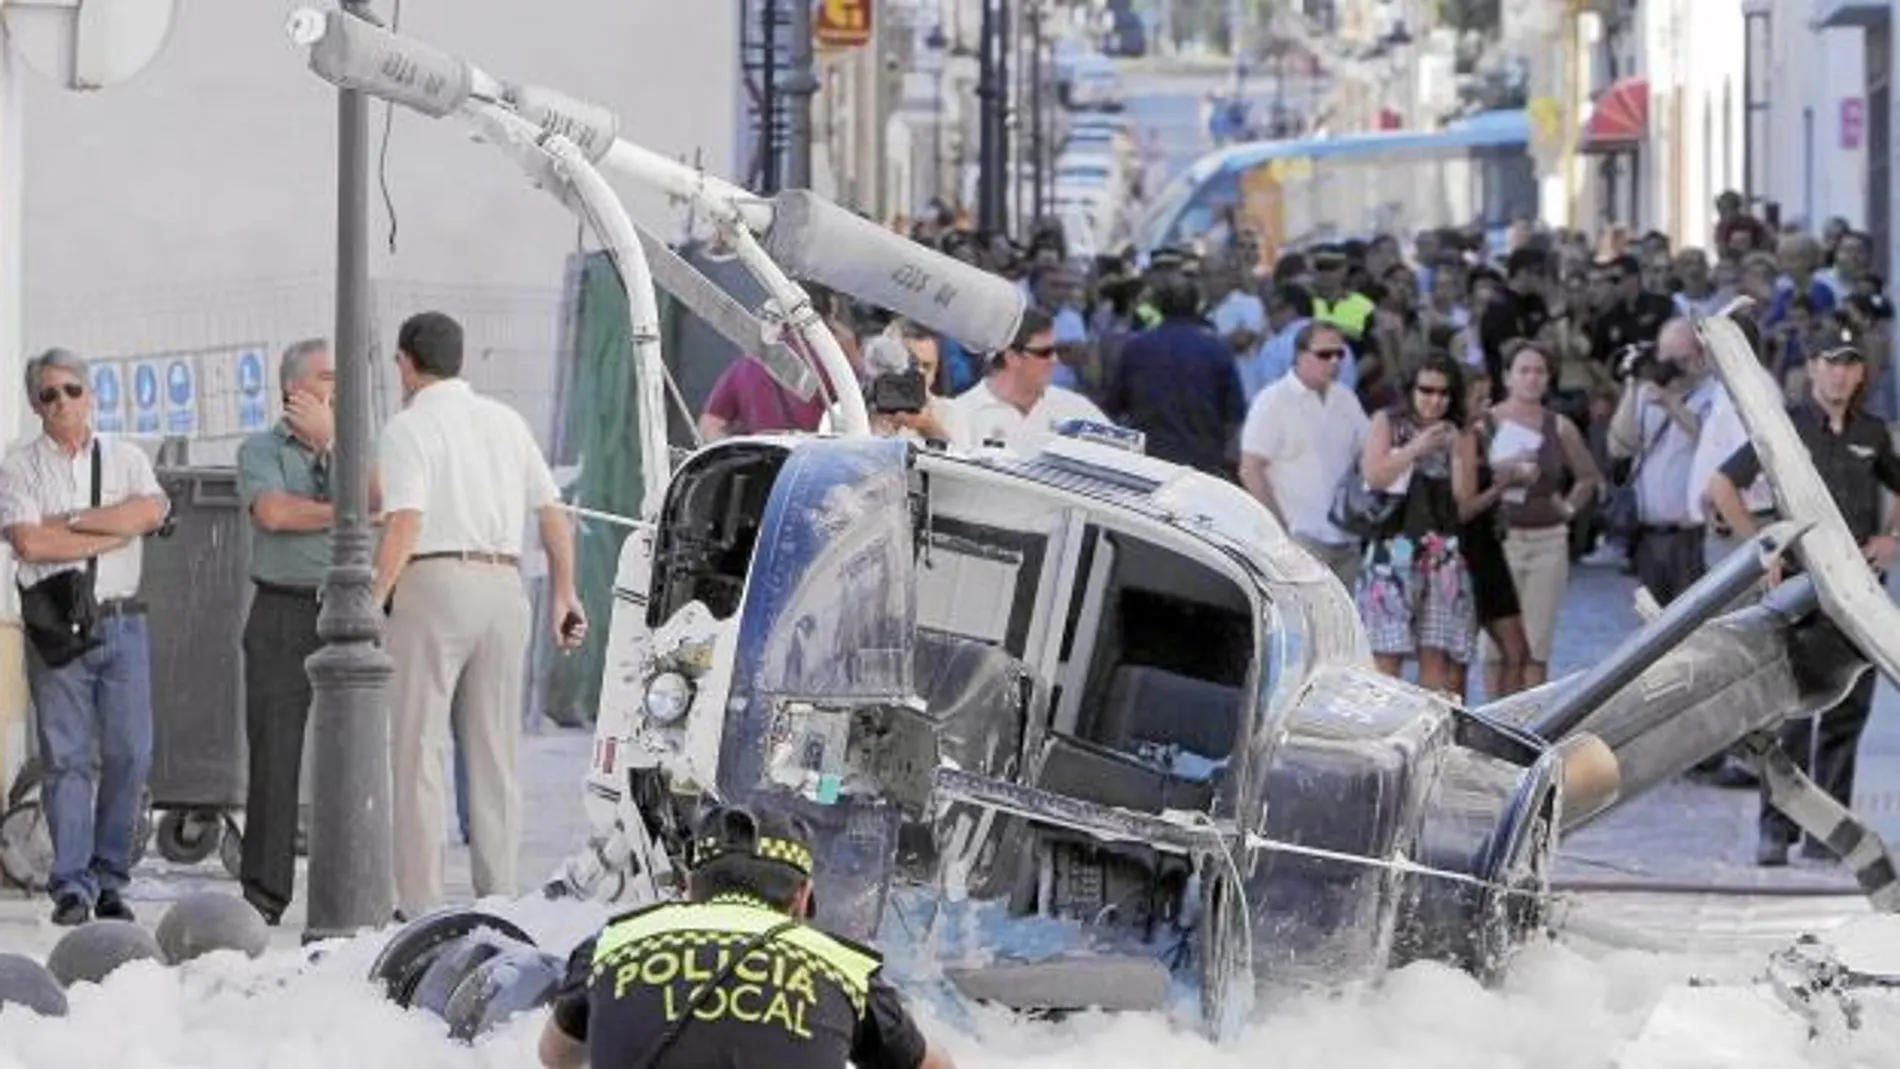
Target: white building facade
x,y
192,210
1810,155
1688,61
1744,95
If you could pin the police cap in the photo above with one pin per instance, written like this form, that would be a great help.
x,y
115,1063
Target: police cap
x,y
736,831
1838,347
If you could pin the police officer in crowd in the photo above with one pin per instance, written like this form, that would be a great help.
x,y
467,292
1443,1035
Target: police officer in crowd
x,y
1633,315
284,481
736,976
76,507
1854,456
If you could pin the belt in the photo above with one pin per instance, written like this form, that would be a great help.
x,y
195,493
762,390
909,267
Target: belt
x,y
121,607
470,556
301,593
1669,528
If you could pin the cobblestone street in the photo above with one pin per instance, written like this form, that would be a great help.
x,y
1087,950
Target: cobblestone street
x,y
1686,832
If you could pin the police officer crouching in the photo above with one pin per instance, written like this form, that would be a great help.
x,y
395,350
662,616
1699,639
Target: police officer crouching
x,y
734,976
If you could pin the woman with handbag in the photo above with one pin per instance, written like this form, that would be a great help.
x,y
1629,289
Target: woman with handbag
x,y
1414,592
1523,431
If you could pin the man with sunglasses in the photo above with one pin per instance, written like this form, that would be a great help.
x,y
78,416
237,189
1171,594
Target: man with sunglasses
x,y
93,694
1630,315
1302,435
1016,406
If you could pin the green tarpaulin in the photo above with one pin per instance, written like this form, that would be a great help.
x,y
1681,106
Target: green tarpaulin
x,y
603,437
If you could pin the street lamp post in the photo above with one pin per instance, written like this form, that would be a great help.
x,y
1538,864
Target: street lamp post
x,y
993,91
350,884
1037,200
936,55
999,103
801,84
770,162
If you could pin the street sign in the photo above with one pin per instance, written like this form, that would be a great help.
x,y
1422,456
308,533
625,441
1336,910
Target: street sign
x,y
841,23
145,415
108,399
1853,122
181,396
252,385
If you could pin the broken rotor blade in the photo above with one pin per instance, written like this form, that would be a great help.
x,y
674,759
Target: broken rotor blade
x,y
726,316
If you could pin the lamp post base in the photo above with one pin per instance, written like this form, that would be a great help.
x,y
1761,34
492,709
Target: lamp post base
x,y
351,840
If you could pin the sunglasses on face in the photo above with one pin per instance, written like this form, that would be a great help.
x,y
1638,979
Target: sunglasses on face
x,y
73,391
1326,354
1433,391
1040,352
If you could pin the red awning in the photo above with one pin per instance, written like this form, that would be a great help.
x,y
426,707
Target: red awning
x,y
1619,120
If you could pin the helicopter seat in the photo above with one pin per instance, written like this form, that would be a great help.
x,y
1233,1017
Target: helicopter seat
x,y
1152,707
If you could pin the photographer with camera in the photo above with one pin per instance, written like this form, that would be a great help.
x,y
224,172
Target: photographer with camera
x,y
901,367
1668,394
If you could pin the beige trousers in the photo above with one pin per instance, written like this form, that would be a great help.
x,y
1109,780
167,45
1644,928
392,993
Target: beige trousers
x,y
1539,558
455,622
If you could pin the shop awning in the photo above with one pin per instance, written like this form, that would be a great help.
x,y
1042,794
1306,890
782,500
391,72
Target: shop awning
x,y
1619,120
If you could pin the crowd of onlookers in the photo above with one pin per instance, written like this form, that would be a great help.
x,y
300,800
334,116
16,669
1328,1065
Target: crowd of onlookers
x,y
1449,432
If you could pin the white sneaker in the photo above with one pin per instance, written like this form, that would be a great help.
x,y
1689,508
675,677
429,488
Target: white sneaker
x,y
1606,555
1647,607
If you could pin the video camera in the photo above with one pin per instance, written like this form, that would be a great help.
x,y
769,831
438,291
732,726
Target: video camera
x,y
895,384
1639,360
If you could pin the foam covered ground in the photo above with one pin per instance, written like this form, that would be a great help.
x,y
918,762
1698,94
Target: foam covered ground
x,y
1579,1003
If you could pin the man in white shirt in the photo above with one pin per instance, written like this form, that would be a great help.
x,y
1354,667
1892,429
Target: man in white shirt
x,y
1015,406
95,694
1238,315
1303,434
460,475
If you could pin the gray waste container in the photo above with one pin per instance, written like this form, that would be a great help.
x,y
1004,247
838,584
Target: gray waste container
x,y
197,586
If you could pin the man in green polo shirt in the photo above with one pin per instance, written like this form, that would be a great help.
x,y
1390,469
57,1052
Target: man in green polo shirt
x,y
284,478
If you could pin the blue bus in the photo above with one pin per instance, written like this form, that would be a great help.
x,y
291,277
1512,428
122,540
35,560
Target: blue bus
x,y
1292,193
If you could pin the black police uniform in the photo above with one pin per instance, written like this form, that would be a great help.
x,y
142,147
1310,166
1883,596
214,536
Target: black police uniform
x,y
801,999
1511,315
1854,465
1637,322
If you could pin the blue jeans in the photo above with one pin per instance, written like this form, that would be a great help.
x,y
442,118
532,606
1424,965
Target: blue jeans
x,y
103,699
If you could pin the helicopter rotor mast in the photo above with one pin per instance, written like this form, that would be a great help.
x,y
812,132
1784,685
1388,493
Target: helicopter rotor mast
x,y
353,53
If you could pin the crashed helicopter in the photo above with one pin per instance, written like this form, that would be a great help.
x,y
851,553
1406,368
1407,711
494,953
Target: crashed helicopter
x,y
1096,708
